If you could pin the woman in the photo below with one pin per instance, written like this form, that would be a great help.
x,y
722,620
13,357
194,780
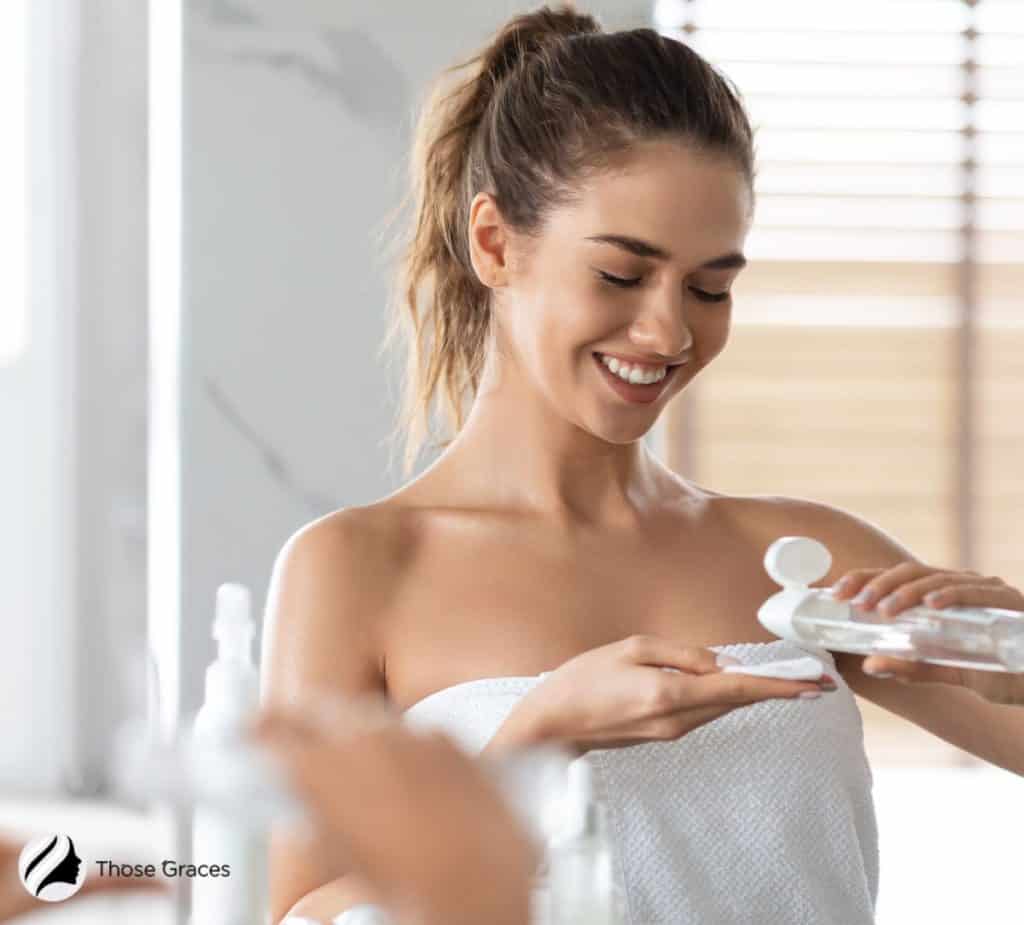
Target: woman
x,y
582,200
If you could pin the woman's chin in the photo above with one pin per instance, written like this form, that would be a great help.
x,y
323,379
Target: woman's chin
x,y
621,432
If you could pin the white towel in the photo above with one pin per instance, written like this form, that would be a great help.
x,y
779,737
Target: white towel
x,y
763,815
363,914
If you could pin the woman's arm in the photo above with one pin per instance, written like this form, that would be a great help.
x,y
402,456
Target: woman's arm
x,y
993,732
327,594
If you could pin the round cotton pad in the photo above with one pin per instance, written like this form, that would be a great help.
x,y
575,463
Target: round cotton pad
x,y
791,669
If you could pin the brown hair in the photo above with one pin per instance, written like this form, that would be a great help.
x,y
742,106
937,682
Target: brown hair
x,y
552,98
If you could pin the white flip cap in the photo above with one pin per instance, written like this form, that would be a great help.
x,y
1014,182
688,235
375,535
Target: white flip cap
x,y
797,561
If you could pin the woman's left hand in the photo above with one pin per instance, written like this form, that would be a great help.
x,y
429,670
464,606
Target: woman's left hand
x,y
911,584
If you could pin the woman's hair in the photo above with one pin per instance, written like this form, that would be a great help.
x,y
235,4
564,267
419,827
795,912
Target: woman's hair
x,y
550,100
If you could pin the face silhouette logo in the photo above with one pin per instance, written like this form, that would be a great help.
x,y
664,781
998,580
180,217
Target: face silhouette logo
x,y
50,868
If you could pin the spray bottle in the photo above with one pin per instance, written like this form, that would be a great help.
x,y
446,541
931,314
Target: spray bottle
x,y
236,895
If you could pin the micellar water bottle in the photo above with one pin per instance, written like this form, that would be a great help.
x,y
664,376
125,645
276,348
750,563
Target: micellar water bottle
x,y
987,638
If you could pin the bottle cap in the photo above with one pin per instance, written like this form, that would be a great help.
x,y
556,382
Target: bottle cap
x,y
797,561
794,562
231,678
234,610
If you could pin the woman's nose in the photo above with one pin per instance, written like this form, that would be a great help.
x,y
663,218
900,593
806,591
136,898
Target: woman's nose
x,y
661,328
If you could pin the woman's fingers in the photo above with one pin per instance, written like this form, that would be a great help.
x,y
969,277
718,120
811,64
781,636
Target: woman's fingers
x,y
868,585
672,693
901,669
644,649
912,583
739,689
696,678
995,686
993,593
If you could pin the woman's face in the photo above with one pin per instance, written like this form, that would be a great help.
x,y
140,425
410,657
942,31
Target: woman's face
x,y
639,267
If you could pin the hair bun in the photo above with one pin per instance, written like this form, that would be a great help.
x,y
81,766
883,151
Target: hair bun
x,y
530,32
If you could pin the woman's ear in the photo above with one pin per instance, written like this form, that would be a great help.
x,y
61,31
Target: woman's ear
x,y
488,242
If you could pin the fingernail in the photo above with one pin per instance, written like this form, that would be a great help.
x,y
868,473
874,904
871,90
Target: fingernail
x,y
809,695
840,585
722,660
865,595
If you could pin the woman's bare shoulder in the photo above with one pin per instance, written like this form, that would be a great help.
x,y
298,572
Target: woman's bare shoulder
x,y
764,508
853,539
367,542
767,517
331,593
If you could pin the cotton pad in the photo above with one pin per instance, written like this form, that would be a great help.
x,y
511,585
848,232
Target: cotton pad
x,y
790,669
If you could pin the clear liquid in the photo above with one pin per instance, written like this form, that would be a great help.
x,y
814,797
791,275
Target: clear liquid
x,y
988,639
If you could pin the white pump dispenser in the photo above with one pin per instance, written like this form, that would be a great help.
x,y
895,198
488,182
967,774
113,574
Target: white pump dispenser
x,y
232,684
232,696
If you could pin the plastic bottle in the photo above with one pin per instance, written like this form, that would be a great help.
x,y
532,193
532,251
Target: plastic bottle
x,y
221,838
987,638
580,877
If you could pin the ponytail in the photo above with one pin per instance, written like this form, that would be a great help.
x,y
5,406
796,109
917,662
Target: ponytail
x,y
550,95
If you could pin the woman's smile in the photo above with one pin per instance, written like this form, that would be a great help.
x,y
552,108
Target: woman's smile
x,y
642,392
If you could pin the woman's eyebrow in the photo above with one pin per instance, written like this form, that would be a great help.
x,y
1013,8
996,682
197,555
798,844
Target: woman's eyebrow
x,y
646,249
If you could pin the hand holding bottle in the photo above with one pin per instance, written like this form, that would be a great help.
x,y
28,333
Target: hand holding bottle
x,y
617,695
909,584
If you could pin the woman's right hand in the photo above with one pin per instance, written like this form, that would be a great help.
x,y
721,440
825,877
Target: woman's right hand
x,y
619,695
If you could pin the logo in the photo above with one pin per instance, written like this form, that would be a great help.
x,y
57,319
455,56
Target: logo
x,y
50,868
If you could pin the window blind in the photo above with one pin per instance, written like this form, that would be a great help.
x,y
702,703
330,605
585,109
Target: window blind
x,y
877,122
877,357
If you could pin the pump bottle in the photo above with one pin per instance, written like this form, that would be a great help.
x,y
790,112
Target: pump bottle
x,y
221,838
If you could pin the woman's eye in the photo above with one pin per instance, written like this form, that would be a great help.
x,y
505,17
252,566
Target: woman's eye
x,y
619,280
705,296
628,282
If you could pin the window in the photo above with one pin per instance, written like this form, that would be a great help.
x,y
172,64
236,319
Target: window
x,y
876,360
879,327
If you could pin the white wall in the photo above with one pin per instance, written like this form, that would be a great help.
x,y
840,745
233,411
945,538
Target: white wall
x,y
72,475
33,480
297,118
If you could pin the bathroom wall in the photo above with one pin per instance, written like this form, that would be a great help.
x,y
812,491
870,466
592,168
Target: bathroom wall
x,y
73,405
296,120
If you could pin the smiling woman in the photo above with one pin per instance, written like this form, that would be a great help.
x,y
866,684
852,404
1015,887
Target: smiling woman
x,y
564,186
582,201
651,298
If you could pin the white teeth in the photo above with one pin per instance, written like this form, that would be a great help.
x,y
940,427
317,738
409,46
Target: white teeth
x,y
634,374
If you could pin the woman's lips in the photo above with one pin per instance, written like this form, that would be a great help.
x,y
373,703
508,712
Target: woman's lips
x,y
638,393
